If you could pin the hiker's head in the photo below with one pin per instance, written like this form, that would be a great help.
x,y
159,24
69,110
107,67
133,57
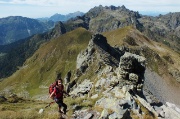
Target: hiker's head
x,y
59,81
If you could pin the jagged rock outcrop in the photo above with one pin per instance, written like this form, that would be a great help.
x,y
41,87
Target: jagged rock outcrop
x,y
58,30
118,88
132,67
98,48
82,88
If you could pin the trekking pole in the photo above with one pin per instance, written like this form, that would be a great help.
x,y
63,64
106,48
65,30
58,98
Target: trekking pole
x,y
42,110
49,104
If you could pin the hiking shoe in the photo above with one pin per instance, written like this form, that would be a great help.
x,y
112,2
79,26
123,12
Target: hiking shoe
x,y
60,111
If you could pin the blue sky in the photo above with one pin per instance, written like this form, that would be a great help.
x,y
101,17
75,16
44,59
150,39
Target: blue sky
x,y
47,8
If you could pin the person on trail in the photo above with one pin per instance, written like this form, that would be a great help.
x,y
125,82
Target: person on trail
x,y
57,95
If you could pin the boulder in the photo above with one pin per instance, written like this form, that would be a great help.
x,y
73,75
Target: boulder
x,y
131,69
2,99
67,78
104,114
133,77
82,88
94,96
132,63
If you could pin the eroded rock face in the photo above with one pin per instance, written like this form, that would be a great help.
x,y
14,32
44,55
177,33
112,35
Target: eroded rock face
x,y
82,88
117,90
98,49
132,68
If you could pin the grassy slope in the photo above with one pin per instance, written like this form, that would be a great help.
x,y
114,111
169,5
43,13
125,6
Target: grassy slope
x,y
57,56
118,38
28,110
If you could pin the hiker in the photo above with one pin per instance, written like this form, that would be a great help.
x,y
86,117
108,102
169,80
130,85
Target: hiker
x,y
57,95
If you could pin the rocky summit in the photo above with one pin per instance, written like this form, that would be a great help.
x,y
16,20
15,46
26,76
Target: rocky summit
x,y
162,28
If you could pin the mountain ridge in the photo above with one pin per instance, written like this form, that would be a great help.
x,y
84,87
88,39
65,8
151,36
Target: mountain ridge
x,y
101,19
60,17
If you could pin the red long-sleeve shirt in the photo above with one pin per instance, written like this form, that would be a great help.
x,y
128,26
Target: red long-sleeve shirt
x,y
58,91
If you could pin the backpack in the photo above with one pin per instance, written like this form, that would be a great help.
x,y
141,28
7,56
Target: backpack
x,y
59,93
51,87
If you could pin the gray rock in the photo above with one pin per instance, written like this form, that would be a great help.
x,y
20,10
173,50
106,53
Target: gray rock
x,y
133,77
175,73
104,114
94,96
70,86
82,88
161,114
67,78
88,116
132,63
2,99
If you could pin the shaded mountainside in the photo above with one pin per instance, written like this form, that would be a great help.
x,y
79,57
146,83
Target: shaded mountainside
x,y
105,74
14,55
14,28
163,28
57,55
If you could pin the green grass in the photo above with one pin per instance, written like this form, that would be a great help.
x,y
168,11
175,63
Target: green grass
x,y
56,56
27,110
116,37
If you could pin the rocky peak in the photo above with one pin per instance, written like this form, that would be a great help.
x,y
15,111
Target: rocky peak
x,y
98,48
58,30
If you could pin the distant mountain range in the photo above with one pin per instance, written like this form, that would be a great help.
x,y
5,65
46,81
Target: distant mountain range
x,y
152,13
14,28
59,17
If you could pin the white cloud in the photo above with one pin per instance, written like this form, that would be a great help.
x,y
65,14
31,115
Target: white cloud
x,y
67,6
93,2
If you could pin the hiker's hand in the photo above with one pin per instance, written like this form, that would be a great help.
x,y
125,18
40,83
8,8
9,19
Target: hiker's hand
x,y
67,95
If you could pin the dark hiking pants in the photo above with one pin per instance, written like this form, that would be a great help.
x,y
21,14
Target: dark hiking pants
x,y
61,104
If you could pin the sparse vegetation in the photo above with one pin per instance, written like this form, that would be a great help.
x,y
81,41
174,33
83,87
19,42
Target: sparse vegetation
x,y
27,110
